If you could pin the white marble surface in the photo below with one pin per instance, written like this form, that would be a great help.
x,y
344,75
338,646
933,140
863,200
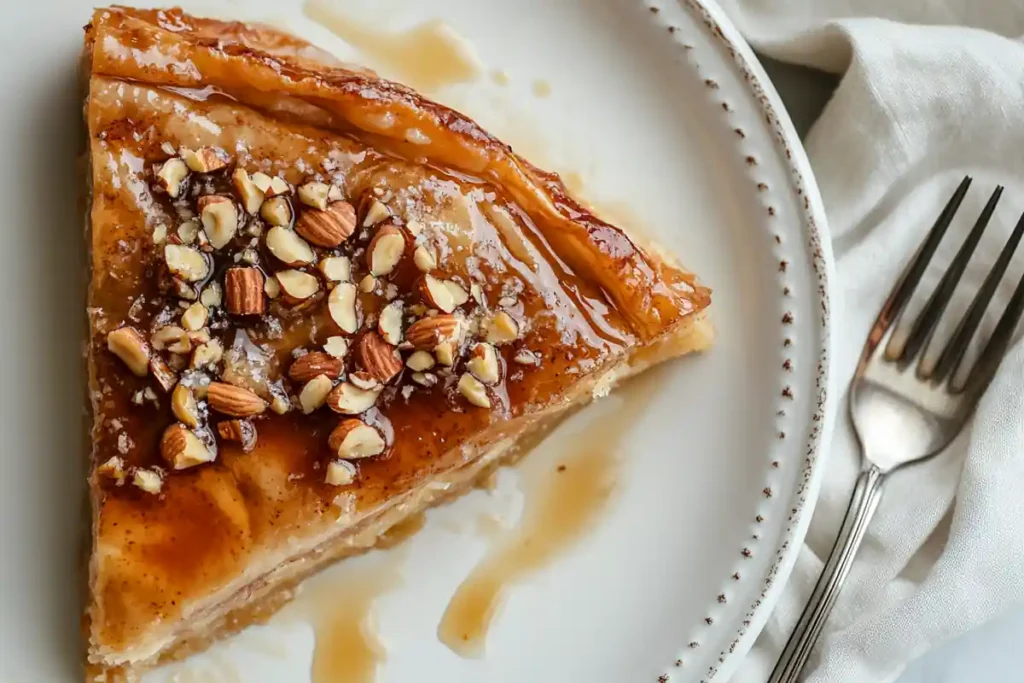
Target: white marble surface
x,y
987,654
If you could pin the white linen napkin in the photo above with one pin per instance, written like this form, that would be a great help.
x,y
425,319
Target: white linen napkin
x,y
921,103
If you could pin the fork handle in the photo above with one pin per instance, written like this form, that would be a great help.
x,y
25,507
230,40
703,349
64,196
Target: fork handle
x,y
863,504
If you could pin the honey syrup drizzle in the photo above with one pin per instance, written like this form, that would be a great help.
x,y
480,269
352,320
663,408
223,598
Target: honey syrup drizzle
x,y
564,499
348,648
426,57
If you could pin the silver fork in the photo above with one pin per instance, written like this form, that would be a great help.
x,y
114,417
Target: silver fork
x,y
902,416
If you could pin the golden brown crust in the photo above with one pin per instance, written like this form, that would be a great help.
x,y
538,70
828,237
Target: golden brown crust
x,y
588,300
246,63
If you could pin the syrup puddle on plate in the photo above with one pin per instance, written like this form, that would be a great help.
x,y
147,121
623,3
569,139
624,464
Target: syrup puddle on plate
x,y
219,672
339,606
563,499
426,57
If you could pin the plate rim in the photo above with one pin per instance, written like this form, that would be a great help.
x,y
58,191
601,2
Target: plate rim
x,y
713,20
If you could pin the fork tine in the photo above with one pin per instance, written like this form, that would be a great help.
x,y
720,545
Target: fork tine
x,y
988,362
912,275
929,316
958,344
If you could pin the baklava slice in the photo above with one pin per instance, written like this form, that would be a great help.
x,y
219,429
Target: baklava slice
x,y
319,303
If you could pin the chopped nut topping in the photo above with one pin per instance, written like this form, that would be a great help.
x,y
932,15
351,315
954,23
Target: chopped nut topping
x,y
170,176
234,401
354,439
298,285
194,317
342,306
459,295
188,231
172,338
186,262
276,211
483,363
114,469
506,302
250,256
212,296
414,227
127,344
185,407
340,473
376,213
207,354
239,431
243,289
424,259
288,247
314,194
501,328
436,293
364,380
420,361
426,333
148,480
367,284
477,293
526,357
251,196
271,186
280,405
385,250
184,289
389,324
348,399
200,336
220,219
314,393
378,357
181,448
159,233
445,353
262,181
311,365
424,379
473,391
336,268
336,346
272,287
279,186
203,160
334,194
162,373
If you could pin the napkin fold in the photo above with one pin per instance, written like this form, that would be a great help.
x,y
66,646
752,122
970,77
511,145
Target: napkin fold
x,y
931,91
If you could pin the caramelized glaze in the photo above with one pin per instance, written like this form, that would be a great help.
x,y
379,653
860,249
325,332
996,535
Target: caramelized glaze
x,y
583,294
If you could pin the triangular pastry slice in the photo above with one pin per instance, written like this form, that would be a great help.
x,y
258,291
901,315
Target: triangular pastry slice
x,y
319,303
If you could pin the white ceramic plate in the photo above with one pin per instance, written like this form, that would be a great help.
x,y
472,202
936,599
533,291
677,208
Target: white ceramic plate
x,y
663,113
